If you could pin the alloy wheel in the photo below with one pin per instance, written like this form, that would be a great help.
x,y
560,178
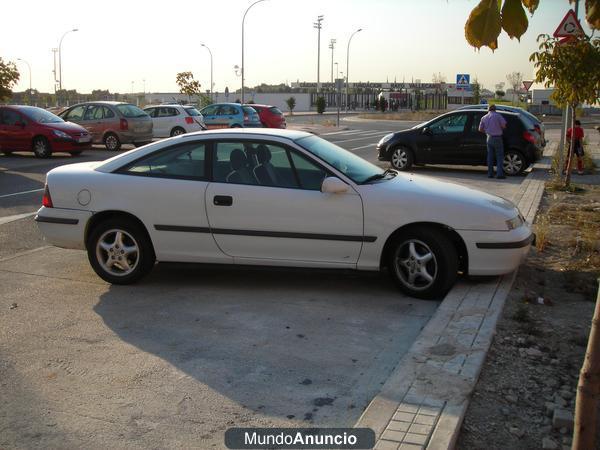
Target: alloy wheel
x,y
112,143
513,163
117,252
416,265
399,158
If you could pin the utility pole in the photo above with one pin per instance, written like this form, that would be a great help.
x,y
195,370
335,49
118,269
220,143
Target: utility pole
x,y
54,50
348,65
243,68
332,47
318,26
60,56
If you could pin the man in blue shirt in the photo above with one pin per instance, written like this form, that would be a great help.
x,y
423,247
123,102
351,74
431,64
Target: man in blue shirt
x,y
493,125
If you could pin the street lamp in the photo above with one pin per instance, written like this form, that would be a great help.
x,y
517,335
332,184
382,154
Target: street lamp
x,y
348,64
60,57
318,26
243,66
211,71
337,70
332,47
21,59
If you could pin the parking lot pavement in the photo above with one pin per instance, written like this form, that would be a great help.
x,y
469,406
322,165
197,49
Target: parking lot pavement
x,y
191,351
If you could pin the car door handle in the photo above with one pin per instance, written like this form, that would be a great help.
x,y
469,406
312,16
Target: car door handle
x,y
223,200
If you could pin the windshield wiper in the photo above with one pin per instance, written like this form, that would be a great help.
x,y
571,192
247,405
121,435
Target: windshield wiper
x,y
379,176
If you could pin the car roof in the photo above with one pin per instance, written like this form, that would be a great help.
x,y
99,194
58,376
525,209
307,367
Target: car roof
x,y
258,104
224,103
502,111
268,132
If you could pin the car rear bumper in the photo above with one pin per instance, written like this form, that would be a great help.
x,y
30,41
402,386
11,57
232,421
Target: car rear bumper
x,y
63,227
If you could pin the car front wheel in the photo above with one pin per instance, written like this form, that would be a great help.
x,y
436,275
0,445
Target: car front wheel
x,y
41,147
514,163
120,251
423,263
402,158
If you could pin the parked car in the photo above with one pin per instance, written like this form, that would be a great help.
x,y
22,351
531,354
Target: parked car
x,y
454,138
230,115
27,128
174,119
277,197
538,125
112,123
270,116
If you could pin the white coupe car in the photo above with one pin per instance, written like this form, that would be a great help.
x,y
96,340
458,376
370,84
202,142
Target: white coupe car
x,y
276,197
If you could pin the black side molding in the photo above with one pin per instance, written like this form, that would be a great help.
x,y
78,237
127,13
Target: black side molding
x,y
60,220
181,228
496,245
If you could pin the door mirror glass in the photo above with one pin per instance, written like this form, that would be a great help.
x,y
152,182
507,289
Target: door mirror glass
x,y
333,185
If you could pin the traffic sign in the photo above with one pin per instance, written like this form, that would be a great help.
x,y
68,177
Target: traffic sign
x,y
463,80
527,84
569,26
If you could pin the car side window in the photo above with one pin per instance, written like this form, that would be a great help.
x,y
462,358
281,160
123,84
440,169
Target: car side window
x,y
234,162
173,112
476,121
310,175
76,113
209,111
185,161
454,123
93,112
107,112
10,118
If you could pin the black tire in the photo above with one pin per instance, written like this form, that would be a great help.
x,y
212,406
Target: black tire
x,y
76,152
514,163
41,147
401,158
177,131
404,264
111,142
7,152
236,125
104,259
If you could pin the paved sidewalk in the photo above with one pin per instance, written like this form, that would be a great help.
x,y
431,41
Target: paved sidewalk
x,y
423,402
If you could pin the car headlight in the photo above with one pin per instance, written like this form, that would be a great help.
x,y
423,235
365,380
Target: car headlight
x,y
386,138
515,222
61,134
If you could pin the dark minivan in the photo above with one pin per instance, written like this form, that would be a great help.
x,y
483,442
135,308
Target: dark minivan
x,y
454,139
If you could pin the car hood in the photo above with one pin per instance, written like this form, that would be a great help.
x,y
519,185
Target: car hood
x,y
67,127
421,198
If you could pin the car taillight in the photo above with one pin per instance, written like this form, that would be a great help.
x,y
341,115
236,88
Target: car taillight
x,y
46,199
246,118
189,120
123,124
528,137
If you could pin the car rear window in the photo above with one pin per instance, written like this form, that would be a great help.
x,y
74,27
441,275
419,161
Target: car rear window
x,y
249,110
276,110
131,111
192,111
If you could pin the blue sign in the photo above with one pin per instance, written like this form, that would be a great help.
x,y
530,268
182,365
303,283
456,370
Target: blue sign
x,y
463,81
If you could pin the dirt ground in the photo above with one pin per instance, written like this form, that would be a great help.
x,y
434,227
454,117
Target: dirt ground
x,y
533,365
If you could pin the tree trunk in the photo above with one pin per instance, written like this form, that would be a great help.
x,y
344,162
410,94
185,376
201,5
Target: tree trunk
x,y
588,389
571,148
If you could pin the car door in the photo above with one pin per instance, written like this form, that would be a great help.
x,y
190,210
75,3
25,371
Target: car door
x,y
261,218
441,140
93,119
226,116
76,115
474,147
210,116
14,133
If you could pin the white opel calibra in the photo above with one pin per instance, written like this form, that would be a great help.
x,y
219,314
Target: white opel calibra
x,y
276,197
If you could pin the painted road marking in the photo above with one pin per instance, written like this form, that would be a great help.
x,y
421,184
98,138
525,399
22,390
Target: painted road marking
x,y
8,219
21,193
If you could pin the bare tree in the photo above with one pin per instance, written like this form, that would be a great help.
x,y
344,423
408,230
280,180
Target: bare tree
x,y
515,80
438,78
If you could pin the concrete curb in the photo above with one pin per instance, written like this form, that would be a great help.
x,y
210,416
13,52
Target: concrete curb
x,y
423,403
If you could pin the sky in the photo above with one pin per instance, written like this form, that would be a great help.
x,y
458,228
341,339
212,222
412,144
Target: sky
x,y
122,43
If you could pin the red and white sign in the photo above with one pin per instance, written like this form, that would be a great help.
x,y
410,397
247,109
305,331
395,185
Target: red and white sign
x,y
569,26
527,84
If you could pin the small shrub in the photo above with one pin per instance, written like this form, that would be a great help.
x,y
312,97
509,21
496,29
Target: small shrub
x,y
542,229
521,314
320,105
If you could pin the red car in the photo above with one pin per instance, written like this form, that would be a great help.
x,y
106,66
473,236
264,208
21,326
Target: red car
x,y
27,128
270,116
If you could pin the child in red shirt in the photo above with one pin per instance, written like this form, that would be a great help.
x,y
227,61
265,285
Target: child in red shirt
x,y
576,134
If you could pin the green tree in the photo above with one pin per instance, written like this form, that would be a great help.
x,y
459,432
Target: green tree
x,y
291,104
320,104
383,104
187,84
9,75
573,69
490,17
476,92
500,93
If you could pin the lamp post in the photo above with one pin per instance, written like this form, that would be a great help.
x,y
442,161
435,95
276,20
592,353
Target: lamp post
x,y
243,65
337,70
332,47
29,66
211,71
348,64
60,57
318,26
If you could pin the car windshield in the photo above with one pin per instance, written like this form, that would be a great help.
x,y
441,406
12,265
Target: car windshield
x,y
275,110
192,111
131,111
354,167
40,115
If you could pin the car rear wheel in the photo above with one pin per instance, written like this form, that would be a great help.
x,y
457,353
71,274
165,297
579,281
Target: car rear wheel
x,y
41,147
402,158
177,131
423,263
7,152
120,251
514,163
112,142
76,153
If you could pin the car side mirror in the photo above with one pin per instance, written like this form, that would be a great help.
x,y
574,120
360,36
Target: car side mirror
x,y
333,185
427,131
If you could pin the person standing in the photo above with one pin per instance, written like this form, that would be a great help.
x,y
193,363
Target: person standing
x,y
576,135
493,124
